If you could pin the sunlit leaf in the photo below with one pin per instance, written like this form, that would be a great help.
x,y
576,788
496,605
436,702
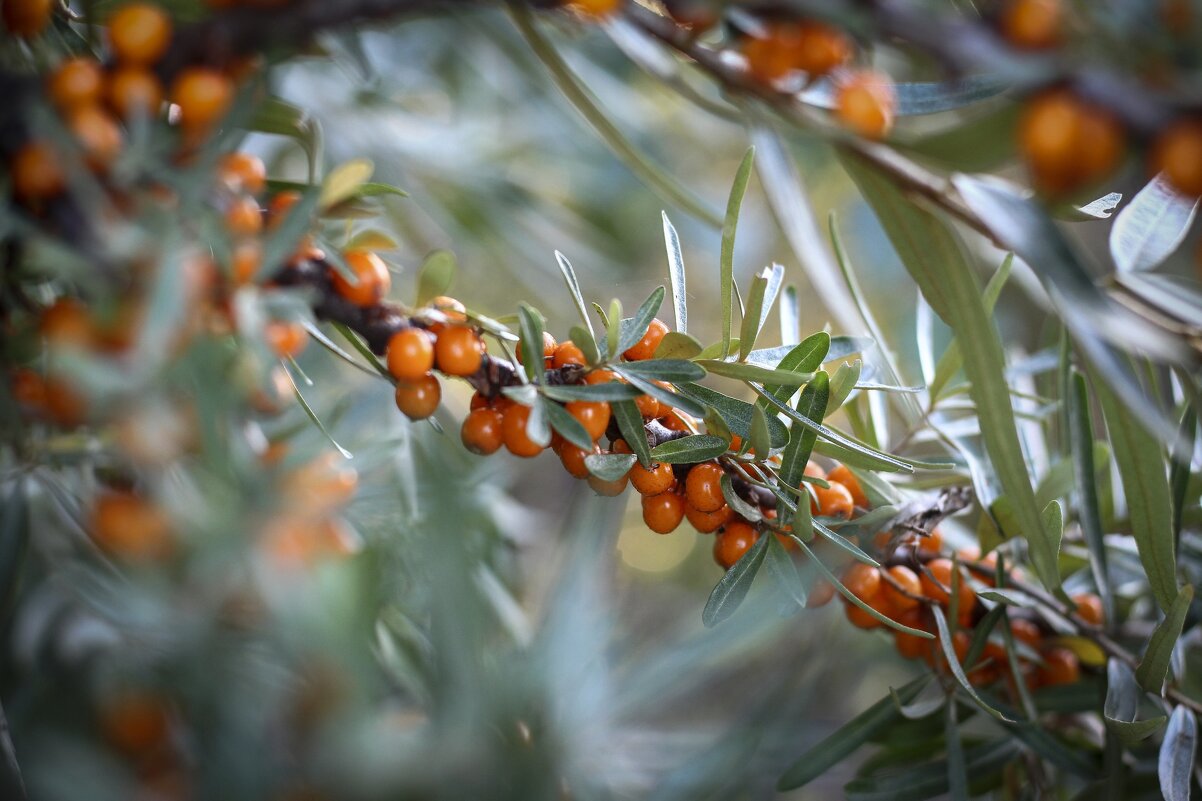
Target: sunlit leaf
x,y
1151,227
730,224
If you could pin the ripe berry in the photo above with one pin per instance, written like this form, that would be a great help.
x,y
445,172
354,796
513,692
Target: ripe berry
x,y
481,432
703,487
139,33
129,526
136,723
662,513
833,502
455,311
567,353
609,489
593,415
572,458
735,540
1032,24
513,429
1060,666
774,54
659,478
863,581
549,345
937,576
135,92
66,323
708,522
1067,142
845,477
419,399
1089,608
815,470
645,347
649,406
410,354
459,350
203,96
596,8
243,217
931,543
865,103
822,48
908,580
372,278
26,18
98,135
76,82
245,261
1178,153
287,339
1026,631
911,646
821,594
243,172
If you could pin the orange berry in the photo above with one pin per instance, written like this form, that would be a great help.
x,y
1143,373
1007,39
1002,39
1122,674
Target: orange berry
x,y
773,55
1089,608
76,82
63,403
814,470
865,104
735,540
863,581
372,278
939,572
245,261
419,399
593,415
1032,24
129,526
320,485
662,513
26,18
1067,142
859,618
821,594
28,389
133,92
908,580
481,432
572,458
567,353
845,477
649,406
287,339
931,543
833,502
703,487
911,646
203,96
596,8
139,33
458,350
1026,631
36,172
66,322
135,723
513,428
659,479
645,347
1178,153
454,311
1060,666
620,446
410,354
98,135
607,488
280,205
243,172
708,522
600,377
821,48
243,217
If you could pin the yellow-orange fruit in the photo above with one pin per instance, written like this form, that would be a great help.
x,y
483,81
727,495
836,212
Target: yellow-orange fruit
x,y
203,95
708,522
482,431
76,82
833,501
662,513
592,415
703,487
26,18
372,279
419,399
1089,608
36,172
410,354
139,33
1032,24
130,527
645,347
134,91
513,428
735,540
1178,153
865,103
243,172
458,350
286,338
848,479
660,478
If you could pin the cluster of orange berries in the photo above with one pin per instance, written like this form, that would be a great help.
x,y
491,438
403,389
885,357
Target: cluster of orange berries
x,y
94,99
919,577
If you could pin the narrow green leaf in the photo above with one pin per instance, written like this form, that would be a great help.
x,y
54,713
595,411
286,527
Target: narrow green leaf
x,y
1142,468
733,587
312,415
790,316
801,439
631,333
586,341
690,449
929,780
531,323
609,391
677,345
613,329
436,276
952,359
568,427
630,423
672,370
1053,523
781,567
758,302
935,258
806,357
1175,765
842,743
736,413
953,662
742,508
1179,469
759,432
1122,705
676,275
750,372
730,224
569,277
957,770
609,466
674,399
843,382
1088,511
1154,667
